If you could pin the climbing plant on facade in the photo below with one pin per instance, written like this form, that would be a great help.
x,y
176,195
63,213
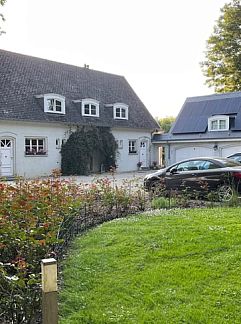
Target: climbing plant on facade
x,y
88,148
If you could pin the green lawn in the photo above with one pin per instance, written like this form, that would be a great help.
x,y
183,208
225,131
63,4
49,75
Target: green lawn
x,y
177,266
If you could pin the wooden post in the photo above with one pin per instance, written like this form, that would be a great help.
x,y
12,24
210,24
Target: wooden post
x,y
49,291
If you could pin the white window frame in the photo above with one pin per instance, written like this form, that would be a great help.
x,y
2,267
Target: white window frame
x,y
37,149
123,110
132,149
89,101
55,98
119,144
218,119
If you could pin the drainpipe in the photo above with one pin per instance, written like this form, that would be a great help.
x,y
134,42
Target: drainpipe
x,y
168,154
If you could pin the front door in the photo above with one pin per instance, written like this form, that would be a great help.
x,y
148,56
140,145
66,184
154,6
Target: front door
x,y
6,157
143,153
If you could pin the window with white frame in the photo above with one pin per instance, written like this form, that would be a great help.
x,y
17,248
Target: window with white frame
x,y
218,123
35,146
119,144
132,146
120,111
54,103
90,107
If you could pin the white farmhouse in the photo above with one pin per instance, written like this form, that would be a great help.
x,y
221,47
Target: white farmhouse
x,y
42,102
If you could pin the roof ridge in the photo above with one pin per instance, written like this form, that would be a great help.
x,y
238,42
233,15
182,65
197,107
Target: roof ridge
x,y
58,62
24,76
214,96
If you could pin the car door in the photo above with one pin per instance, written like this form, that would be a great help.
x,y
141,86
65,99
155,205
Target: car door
x,y
209,176
182,176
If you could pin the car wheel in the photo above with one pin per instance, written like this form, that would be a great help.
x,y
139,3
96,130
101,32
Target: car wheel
x,y
225,193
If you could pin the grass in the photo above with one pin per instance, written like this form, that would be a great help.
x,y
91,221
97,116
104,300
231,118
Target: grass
x,y
163,202
177,266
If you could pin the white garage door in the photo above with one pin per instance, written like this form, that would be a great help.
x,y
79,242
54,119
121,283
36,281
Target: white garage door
x,y
190,152
226,151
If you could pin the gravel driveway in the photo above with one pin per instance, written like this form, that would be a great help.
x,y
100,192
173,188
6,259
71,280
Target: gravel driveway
x,y
117,178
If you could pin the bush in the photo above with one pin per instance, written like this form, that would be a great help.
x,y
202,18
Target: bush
x,y
37,220
164,202
85,146
30,216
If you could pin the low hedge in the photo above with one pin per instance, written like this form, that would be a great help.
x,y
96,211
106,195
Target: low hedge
x,y
35,221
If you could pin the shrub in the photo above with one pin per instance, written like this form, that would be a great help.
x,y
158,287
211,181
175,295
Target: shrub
x,y
30,217
37,220
86,145
164,202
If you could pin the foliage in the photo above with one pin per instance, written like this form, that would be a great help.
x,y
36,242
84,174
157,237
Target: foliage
x,y
166,123
175,266
30,216
164,202
37,220
188,197
86,145
2,2
223,56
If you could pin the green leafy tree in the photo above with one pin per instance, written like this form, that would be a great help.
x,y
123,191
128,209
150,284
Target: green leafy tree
x,y
222,66
166,123
2,2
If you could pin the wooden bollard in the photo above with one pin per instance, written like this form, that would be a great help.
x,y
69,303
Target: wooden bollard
x,y
49,291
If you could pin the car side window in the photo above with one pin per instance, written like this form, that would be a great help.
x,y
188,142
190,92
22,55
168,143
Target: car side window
x,y
199,164
187,166
182,167
194,165
209,165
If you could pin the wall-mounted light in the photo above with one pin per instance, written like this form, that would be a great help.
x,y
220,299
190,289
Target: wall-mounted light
x,y
215,147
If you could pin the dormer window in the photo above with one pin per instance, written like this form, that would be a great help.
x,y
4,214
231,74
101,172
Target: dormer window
x,y
90,107
218,123
120,111
54,103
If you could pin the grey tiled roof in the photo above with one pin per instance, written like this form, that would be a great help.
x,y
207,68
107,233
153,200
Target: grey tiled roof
x,y
23,77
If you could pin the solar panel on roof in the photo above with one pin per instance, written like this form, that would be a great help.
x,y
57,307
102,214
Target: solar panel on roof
x,y
194,115
237,122
190,125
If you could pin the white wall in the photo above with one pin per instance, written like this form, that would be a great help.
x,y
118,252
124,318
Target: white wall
x,y
34,166
126,161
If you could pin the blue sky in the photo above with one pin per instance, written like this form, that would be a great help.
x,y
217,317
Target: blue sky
x,y
156,44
